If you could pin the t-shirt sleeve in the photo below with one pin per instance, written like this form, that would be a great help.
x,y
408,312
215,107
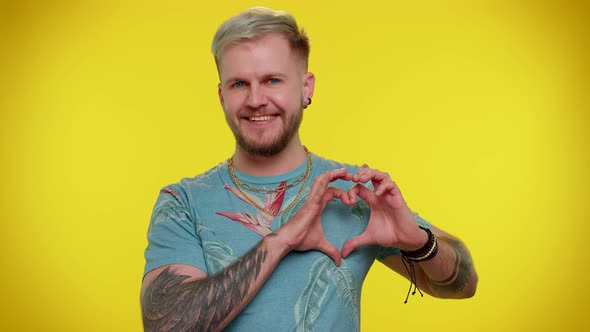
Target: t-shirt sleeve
x,y
393,251
172,237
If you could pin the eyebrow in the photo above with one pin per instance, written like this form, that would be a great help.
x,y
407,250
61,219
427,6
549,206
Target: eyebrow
x,y
276,74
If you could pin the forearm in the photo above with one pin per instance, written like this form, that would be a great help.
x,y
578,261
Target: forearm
x,y
449,274
171,303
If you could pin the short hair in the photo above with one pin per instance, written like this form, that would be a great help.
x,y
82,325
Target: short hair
x,y
255,23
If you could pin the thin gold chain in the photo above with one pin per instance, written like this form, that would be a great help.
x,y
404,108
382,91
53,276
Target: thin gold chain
x,y
267,191
303,178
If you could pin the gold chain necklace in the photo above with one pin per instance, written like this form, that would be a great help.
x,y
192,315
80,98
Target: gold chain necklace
x,y
247,186
303,178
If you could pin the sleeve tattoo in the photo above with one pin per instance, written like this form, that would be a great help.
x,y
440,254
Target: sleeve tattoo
x,y
170,304
462,270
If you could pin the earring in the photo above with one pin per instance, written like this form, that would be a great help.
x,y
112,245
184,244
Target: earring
x,y
308,103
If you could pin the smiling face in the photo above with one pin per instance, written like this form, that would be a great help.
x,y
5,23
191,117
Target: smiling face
x,y
263,88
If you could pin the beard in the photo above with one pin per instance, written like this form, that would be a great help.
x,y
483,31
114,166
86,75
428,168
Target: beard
x,y
272,147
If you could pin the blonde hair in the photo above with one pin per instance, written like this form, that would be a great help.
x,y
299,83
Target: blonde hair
x,y
255,23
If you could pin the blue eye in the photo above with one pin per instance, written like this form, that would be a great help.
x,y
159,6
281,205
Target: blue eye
x,y
238,84
273,81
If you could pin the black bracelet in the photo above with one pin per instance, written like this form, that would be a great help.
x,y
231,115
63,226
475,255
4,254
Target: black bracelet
x,y
425,253
428,251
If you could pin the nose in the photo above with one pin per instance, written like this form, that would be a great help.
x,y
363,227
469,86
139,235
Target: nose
x,y
256,97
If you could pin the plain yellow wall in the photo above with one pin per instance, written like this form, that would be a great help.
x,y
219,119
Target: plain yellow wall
x,y
479,110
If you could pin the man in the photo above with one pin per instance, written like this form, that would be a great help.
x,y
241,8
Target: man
x,y
278,238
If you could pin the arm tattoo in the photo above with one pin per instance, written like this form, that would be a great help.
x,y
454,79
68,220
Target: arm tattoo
x,y
169,304
461,270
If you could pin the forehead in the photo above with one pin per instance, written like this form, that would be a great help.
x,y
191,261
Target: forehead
x,y
268,54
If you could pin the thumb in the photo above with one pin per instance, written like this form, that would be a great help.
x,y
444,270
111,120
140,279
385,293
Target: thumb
x,y
330,250
354,243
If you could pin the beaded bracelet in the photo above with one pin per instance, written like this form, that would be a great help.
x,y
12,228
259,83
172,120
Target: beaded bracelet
x,y
425,253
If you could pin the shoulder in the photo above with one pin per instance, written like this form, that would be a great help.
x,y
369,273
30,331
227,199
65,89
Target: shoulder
x,y
190,186
204,180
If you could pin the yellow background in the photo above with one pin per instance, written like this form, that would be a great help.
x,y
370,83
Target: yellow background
x,y
479,110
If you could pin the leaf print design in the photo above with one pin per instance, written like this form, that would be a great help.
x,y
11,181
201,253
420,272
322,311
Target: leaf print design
x,y
357,212
307,308
347,291
168,209
248,221
358,209
171,192
200,228
323,273
217,255
259,223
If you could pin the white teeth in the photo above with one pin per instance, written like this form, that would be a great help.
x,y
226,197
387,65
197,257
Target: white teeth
x,y
260,118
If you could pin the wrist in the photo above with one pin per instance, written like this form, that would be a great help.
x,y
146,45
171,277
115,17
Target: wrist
x,y
277,244
426,252
419,240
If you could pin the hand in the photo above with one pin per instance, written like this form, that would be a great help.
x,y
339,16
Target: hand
x,y
391,222
304,230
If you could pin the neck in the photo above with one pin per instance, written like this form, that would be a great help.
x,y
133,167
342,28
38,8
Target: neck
x,y
285,161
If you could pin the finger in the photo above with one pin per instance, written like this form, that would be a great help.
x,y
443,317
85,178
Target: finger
x,y
385,187
320,183
361,174
323,180
366,194
330,250
332,193
381,182
354,243
353,193
374,175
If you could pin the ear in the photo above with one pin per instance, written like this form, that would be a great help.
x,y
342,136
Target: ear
x,y
308,86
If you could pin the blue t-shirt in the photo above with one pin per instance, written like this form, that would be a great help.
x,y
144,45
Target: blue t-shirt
x,y
206,222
